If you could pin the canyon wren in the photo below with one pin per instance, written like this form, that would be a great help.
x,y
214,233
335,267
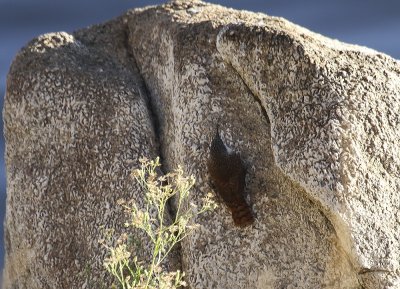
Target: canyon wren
x,y
228,173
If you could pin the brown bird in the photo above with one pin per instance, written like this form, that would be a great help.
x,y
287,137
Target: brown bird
x,y
228,175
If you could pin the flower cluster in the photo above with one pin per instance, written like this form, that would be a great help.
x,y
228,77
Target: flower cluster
x,y
163,231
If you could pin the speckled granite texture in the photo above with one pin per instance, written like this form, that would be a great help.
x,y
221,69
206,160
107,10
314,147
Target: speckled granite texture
x,y
316,121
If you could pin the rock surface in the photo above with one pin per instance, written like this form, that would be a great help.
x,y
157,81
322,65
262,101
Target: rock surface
x,y
316,121
76,122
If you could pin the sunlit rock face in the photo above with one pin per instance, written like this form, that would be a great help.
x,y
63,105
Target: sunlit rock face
x,y
316,123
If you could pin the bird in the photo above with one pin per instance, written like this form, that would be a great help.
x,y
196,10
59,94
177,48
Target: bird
x,y
228,173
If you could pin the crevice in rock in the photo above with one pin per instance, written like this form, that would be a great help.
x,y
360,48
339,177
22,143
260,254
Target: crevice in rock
x,y
370,270
253,94
258,100
157,132
149,104
150,108
316,203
